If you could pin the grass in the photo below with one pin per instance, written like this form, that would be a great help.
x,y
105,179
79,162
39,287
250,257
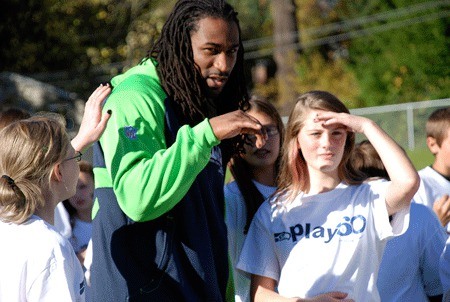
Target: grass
x,y
421,158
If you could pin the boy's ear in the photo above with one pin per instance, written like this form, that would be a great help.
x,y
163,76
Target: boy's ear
x,y
56,173
432,145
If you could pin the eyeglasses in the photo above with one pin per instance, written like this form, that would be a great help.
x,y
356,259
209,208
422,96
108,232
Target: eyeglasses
x,y
271,131
77,157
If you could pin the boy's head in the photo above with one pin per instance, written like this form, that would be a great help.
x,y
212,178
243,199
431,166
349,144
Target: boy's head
x,y
11,115
438,139
438,124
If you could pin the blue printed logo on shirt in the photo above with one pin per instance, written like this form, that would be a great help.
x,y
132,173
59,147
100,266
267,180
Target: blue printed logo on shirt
x,y
355,225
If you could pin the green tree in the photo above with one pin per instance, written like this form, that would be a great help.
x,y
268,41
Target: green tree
x,y
323,66
75,44
402,55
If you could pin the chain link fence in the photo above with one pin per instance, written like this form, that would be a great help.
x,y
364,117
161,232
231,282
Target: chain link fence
x,y
404,122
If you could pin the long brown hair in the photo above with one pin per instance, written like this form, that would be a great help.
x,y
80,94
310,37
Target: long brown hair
x,y
240,169
294,175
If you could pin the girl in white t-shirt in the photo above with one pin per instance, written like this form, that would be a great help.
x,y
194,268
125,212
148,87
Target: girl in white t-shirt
x,y
322,235
38,169
254,172
79,208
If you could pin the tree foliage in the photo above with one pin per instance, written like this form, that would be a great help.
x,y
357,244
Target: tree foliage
x,y
75,44
322,67
405,64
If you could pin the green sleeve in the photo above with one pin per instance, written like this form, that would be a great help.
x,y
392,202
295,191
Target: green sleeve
x,y
148,178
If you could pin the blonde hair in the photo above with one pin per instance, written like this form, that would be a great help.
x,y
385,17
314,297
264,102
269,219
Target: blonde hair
x,y
29,150
294,175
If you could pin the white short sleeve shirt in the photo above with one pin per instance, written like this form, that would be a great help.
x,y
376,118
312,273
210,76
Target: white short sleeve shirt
x,y
38,264
332,241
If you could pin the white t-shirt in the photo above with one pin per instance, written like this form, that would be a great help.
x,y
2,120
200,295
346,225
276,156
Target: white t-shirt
x,y
432,186
62,221
444,270
235,219
82,233
409,270
332,241
38,264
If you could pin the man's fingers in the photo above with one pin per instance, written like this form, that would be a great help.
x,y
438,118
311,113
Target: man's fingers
x,y
260,140
234,123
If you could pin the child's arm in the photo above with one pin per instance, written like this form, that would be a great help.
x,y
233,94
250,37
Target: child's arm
x,y
94,122
263,289
404,177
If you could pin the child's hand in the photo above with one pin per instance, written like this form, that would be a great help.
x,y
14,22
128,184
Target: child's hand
x,y
93,123
442,209
330,297
352,123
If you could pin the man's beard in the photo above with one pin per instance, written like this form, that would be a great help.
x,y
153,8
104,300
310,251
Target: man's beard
x,y
211,100
211,106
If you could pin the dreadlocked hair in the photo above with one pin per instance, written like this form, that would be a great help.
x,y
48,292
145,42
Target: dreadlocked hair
x,y
180,77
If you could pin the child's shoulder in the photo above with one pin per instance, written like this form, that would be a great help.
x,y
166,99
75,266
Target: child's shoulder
x,y
232,188
371,185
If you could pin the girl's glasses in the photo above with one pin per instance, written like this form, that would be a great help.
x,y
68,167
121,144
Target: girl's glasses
x,y
77,157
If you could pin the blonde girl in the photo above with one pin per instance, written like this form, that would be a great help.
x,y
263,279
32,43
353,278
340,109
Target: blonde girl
x,y
322,236
38,169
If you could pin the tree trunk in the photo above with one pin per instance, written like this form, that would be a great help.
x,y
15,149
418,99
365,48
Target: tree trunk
x,y
285,52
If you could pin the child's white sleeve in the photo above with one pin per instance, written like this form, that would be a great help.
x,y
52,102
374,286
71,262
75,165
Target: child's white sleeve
x,y
386,227
258,254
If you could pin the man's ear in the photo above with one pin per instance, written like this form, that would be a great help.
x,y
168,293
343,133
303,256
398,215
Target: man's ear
x,y
432,145
56,173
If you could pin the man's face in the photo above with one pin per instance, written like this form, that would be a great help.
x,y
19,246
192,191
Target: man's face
x,y
215,45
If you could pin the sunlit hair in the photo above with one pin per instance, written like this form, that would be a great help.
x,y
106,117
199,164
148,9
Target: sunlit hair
x,y
29,150
366,159
294,175
438,124
180,77
241,170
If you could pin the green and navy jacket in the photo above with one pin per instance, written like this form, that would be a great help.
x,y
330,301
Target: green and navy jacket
x,y
158,228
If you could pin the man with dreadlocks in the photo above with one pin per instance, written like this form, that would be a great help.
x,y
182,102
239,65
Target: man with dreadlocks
x,y
159,231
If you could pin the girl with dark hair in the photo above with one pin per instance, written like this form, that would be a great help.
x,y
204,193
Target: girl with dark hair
x,y
255,172
322,235
79,208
